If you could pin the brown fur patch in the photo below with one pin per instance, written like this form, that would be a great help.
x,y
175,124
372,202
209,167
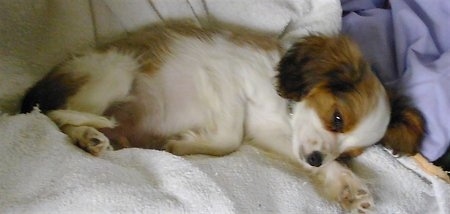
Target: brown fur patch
x,y
52,91
406,128
257,40
244,36
332,76
351,153
152,44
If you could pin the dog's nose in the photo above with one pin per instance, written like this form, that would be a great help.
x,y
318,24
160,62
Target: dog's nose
x,y
315,159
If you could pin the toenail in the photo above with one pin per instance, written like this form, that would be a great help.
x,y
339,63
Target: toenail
x,y
365,205
362,192
95,141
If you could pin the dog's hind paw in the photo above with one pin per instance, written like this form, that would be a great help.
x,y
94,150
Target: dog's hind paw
x,y
95,142
89,139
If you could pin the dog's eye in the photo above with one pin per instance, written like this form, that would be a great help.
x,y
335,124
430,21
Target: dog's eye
x,y
337,124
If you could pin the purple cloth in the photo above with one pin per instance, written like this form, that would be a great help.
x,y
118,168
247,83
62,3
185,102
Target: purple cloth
x,y
408,44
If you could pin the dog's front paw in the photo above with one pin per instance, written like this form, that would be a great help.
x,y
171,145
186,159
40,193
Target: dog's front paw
x,y
93,141
177,147
182,144
354,196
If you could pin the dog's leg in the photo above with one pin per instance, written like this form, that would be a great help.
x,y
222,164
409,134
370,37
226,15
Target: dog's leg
x,y
76,118
342,185
268,127
82,128
221,137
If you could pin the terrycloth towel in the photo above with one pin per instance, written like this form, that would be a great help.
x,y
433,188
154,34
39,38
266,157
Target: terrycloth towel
x,y
42,172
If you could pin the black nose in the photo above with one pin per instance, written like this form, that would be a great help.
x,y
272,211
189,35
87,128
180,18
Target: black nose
x,y
315,159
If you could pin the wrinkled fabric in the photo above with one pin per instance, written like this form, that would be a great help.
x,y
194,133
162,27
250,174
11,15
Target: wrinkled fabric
x,y
407,42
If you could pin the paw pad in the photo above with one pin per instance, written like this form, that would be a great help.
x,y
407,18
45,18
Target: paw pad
x,y
94,141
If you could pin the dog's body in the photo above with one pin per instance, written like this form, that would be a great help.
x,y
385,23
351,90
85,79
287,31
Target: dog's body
x,y
194,90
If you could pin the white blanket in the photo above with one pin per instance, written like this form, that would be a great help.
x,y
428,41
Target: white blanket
x,y
42,172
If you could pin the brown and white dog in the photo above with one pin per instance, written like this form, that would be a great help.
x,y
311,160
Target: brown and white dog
x,y
192,90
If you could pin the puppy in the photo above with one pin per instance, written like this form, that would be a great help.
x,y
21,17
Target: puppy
x,y
205,90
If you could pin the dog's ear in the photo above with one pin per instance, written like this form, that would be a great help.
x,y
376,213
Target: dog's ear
x,y
294,79
406,128
334,62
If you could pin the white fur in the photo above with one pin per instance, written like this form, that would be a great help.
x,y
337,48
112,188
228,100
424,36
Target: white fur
x,y
310,134
110,77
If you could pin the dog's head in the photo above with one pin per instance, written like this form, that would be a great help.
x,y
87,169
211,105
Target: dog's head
x,y
340,105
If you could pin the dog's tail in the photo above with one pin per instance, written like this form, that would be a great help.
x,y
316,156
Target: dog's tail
x,y
406,128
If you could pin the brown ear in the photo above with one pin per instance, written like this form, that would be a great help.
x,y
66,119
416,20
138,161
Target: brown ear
x,y
406,128
332,62
294,79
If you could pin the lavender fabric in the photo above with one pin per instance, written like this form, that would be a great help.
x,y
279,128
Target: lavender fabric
x,y
408,44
